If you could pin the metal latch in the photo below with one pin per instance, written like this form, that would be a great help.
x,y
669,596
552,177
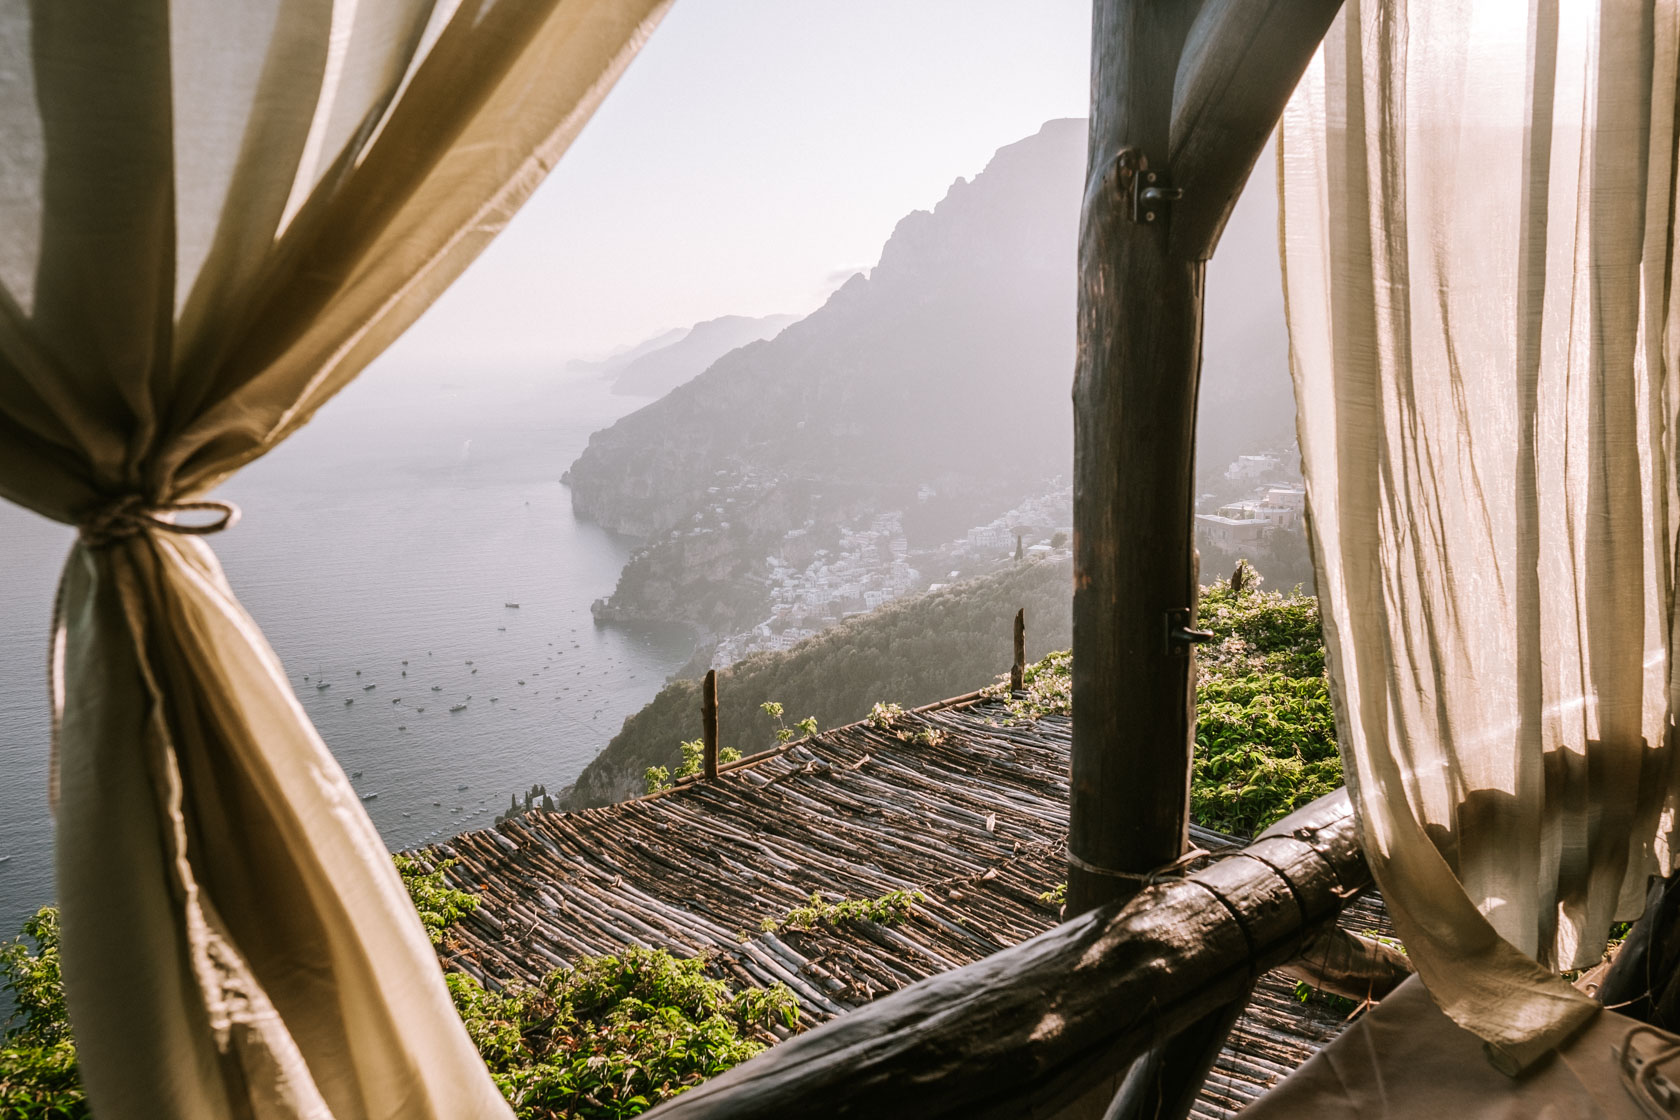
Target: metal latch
x,y
1148,190
1180,634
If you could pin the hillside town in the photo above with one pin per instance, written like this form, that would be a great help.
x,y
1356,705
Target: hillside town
x,y
812,588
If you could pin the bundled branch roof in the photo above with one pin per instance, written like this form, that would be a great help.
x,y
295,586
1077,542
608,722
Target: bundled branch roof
x,y
971,814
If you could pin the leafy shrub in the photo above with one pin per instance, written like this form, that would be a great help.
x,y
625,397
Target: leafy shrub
x,y
615,1035
439,904
693,760
784,733
38,1078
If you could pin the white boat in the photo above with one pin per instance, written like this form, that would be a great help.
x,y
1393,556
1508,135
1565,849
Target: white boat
x,y
459,708
370,797
369,687
322,687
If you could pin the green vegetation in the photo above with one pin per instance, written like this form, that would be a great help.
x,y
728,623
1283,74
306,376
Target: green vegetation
x,y
616,1035
609,1038
439,904
784,734
656,778
693,758
38,1078
1265,727
913,651
890,909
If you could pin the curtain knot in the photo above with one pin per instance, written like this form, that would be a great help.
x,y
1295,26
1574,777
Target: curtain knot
x,y
132,514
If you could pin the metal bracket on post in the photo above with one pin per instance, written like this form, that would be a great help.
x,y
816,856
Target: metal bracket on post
x,y
1180,634
1148,191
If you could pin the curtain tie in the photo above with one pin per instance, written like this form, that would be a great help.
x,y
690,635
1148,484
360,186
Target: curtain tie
x,y
132,514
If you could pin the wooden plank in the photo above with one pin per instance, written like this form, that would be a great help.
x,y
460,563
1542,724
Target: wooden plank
x,y
1241,61
1035,1027
709,724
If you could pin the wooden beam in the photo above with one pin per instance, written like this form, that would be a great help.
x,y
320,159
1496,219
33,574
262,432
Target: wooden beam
x,y
1241,61
1350,966
709,724
1030,1029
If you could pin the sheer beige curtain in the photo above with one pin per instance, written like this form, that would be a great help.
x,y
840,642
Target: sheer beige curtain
x,y
1478,240
213,214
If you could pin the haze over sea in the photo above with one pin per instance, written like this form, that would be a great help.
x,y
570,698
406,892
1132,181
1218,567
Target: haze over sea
x,y
393,527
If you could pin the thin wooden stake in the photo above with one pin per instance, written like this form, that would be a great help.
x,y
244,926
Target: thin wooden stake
x,y
1018,670
709,724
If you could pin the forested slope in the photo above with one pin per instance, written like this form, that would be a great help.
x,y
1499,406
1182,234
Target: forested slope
x,y
910,652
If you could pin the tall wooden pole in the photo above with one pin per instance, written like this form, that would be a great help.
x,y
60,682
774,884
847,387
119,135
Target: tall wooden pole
x,y
1185,92
709,724
1018,668
1183,96
1134,419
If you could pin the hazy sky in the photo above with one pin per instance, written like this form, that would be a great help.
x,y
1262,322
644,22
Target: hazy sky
x,y
755,154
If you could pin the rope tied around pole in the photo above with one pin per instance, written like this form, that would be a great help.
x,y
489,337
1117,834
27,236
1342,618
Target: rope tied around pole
x,y
1176,869
109,524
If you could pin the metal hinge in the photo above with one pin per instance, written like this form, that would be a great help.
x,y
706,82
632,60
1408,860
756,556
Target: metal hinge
x,y
1148,191
1180,634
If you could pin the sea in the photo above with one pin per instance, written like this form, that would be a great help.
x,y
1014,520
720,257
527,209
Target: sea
x,y
382,549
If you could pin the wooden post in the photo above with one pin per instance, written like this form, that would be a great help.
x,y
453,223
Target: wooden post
x,y
709,724
1183,98
1134,415
1018,670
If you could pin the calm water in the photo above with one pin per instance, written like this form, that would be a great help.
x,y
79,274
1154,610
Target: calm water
x,y
394,527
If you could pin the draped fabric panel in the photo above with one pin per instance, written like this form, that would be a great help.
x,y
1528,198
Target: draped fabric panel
x,y
212,216
1477,230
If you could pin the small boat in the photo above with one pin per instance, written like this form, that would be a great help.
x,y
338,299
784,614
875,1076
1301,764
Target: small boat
x,y
438,804
322,687
358,672
437,688
369,687
405,661
417,711
5,859
397,700
355,773
469,663
493,699
349,702
521,682
405,672
501,627
511,606
370,797
459,708
460,788
402,727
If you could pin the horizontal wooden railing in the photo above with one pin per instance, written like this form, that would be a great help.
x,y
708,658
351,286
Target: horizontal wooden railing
x,y
1037,1028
